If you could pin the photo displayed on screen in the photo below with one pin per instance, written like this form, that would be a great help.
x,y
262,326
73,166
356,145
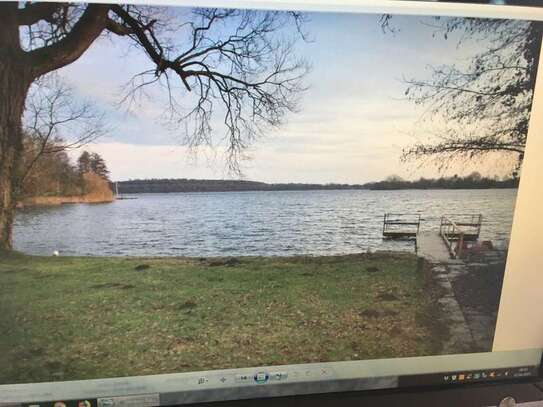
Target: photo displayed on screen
x,y
187,189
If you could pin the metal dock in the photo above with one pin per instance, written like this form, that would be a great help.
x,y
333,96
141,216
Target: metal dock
x,y
454,230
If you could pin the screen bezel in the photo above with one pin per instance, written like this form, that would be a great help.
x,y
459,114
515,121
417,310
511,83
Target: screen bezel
x,y
394,7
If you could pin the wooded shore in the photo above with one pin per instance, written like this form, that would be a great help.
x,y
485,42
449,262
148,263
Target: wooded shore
x,y
97,191
473,181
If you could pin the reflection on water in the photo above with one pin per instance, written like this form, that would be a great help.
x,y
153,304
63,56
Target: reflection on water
x,y
250,223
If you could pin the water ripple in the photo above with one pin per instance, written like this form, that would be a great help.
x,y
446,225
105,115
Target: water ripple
x,y
255,223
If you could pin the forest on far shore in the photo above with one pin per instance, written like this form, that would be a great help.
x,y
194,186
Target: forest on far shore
x,y
472,181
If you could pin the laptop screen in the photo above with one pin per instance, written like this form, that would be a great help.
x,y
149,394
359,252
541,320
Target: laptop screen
x,y
268,199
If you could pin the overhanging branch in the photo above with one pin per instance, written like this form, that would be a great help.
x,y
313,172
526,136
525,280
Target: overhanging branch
x,y
117,28
31,13
70,48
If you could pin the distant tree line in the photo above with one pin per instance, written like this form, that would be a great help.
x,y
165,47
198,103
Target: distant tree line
x,y
202,185
472,181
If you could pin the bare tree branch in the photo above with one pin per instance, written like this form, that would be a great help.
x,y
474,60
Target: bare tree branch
x,y
31,13
55,121
117,28
232,65
71,47
485,104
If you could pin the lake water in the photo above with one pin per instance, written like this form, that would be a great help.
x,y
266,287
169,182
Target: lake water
x,y
250,223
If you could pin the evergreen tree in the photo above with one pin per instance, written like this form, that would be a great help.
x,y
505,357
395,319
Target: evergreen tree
x,y
84,162
98,166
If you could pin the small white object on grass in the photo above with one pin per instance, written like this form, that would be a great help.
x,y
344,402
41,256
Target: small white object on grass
x,y
56,253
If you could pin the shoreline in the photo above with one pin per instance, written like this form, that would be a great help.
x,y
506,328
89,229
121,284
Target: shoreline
x,y
311,190
63,200
226,258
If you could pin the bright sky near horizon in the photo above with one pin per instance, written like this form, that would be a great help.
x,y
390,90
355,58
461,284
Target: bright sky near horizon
x,y
354,118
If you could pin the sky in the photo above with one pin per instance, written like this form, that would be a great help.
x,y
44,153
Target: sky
x,y
353,121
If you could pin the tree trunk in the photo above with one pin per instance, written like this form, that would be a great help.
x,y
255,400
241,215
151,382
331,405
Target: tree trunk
x,y
15,79
13,91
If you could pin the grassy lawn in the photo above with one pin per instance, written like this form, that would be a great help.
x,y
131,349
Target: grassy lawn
x,y
65,318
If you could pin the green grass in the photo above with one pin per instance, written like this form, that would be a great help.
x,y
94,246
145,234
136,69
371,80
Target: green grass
x,y
65,318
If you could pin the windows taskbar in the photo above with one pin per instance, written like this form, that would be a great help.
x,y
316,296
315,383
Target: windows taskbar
x,y
261,378
276,381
